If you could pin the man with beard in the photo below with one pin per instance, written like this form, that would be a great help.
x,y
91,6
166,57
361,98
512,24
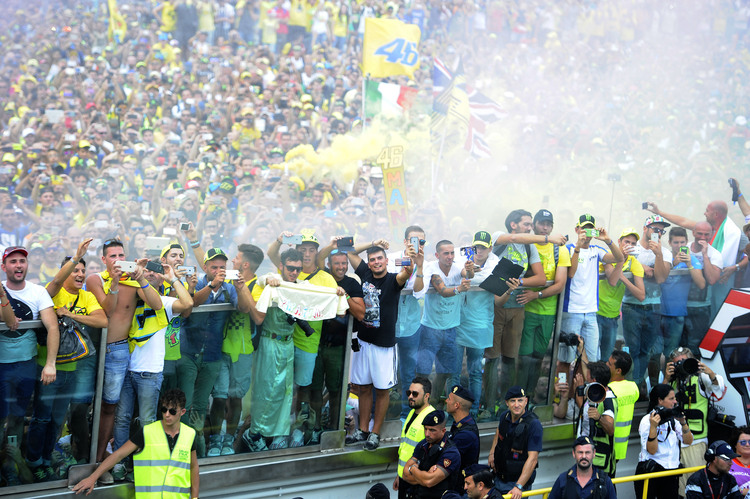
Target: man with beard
x,y
413,431
583,479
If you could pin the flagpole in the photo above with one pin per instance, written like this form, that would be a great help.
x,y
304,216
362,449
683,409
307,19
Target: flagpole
x,y
436,165
364,99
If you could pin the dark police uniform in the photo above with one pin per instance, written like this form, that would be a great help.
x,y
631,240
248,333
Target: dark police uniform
x,y
444,455
465,436
515,440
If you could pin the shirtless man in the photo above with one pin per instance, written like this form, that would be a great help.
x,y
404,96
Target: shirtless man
x,y
117,293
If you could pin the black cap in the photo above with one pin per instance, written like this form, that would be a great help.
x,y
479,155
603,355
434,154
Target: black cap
x,y
586,220
582,440
435,418
461,392
379,491
473,469
515,392
543,215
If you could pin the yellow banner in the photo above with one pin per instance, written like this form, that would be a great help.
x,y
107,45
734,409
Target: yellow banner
x,y
117,25
391,160
391,47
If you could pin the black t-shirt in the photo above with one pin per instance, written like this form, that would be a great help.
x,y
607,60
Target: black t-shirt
x,y
138,438
381,307
333,331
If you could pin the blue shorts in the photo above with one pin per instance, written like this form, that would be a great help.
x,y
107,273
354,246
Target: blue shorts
x,y
234,377
304,367
115,368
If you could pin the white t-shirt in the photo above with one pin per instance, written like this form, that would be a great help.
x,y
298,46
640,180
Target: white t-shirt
x,y
582,291
713,256
149,358
320,22
669,439
32,298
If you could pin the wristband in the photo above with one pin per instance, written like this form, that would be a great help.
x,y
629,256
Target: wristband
x,y
608,243
520,281
173,281
546,239
651,439
145,286
75,261
456,291
195,244
5,304
419,275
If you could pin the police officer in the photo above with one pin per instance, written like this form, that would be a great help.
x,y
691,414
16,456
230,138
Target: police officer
x,y
413,431
464,432
694,383
435,466
479,482
515,450
714,480
583,479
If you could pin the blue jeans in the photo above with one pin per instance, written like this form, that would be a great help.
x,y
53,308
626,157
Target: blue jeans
x,y
640,326
145,387
407,365
438,346
85,380
17,380
474,368
671,333
696,326
115,368
607,335
585,325
50,406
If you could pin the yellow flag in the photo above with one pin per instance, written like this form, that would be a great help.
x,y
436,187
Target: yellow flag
x,y
117,25
391,47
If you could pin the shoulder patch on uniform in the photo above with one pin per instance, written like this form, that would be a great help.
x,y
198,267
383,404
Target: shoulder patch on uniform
x,y
446,463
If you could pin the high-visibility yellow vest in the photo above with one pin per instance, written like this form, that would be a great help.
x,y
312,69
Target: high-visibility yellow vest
x,y
604,458
411,437
696,407
159,473
627,395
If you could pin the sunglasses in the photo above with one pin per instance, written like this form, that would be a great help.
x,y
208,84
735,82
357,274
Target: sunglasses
x,y
410,393
658,231
293,269
743,442
171,410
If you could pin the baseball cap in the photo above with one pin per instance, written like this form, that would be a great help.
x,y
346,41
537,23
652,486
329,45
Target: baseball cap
x,y
214,253
308,236
586,220
630,231
515,392
434,418
14,249
656,219
172,246
725,451
543,216
482,238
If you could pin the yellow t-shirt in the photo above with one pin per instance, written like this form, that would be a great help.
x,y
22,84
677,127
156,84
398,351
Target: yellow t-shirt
x,y
84,306
168,18
548,305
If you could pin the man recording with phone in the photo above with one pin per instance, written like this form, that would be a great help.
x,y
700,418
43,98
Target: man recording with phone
x,y
695,386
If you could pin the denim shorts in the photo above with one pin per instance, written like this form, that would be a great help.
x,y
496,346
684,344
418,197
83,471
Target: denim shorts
x,y
115,368
304,366
234,377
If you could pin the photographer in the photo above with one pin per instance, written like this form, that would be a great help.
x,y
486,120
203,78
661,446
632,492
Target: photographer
x,y
662,429
694,383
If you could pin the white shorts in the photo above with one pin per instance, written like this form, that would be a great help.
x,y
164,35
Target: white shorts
x,y
374,365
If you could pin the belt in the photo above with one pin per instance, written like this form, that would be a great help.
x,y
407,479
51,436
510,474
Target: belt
x,y
120,342
275,336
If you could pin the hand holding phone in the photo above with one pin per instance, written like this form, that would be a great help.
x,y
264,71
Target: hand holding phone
x,y
232,275
126,266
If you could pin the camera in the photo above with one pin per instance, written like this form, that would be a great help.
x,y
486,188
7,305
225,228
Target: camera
x,y
668,415
303,325
595,392
569,339
686,367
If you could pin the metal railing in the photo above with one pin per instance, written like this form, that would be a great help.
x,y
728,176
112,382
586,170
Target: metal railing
x,y
646,477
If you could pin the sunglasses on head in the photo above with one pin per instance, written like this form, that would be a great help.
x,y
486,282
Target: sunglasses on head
x,y
171,410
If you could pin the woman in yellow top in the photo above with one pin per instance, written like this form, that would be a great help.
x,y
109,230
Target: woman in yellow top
x,y
206,19
341,27
165,11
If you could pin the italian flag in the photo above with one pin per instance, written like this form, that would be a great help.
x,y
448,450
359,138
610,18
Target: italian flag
x,y
387,99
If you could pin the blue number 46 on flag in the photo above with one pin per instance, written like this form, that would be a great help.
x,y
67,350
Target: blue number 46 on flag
x,y
399,51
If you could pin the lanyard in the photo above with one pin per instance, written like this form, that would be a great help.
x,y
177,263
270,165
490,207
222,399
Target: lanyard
x,y
708,481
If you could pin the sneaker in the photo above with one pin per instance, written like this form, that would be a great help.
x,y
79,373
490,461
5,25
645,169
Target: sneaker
x,y
355,438
106,478
43,473
298,439
119,472
256,443
10,474
315,438
372,442
279,442
227,445
214,446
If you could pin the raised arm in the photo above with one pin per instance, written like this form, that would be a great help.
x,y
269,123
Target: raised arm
x,y
675,219
56,284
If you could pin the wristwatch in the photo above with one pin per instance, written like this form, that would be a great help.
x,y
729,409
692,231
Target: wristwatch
x,y
211,285
519,486
539,295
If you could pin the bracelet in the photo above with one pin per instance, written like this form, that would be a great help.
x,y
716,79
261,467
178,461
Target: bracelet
x,y
456,291
520,281
145,286
75,261
540,295
195,244
576,251
5,304
546,239
419,275
113,292
608,243
173,281
651,439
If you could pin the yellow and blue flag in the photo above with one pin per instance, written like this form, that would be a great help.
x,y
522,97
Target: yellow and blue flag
x,y
390,48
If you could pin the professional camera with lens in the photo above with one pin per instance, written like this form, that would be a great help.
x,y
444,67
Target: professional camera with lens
x,y
686,367
569,339
667,415
595,392
303,325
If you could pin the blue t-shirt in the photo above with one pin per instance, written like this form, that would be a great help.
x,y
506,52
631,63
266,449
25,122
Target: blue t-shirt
x,y
204,332
674,291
